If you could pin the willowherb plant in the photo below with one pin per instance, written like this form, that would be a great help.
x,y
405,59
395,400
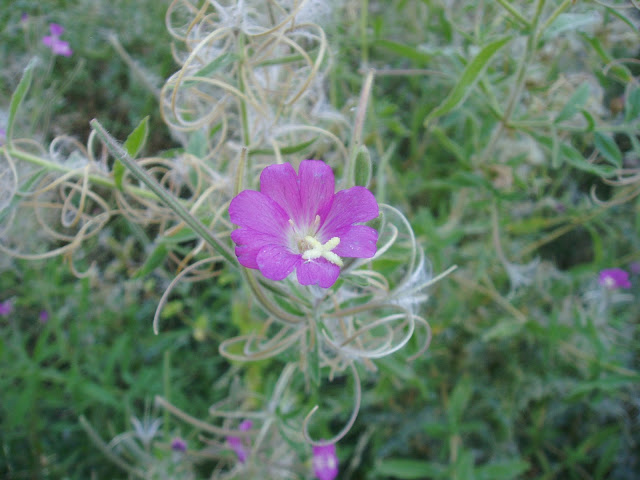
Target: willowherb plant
x,y
332,295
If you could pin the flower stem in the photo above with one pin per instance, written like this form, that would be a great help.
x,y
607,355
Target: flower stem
x,y
172,202
93,178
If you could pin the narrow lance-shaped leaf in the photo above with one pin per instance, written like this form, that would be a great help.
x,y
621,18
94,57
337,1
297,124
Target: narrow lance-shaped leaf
x,y
136,140
154,260
467,81
18,96
575,102
608,148
362,167
632,105
134,143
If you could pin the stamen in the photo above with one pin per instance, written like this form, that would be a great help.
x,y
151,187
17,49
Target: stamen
x,y
319,250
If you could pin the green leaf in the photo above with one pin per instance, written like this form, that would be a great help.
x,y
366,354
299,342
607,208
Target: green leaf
x,y
216,64
506,470
313,359
100,395
574,104
505,329
136,139
154,260
18,96
468,79
287,306
461,179
464,468
362,167
607,384
291,149
591,122
197,144
625,18
406,469
569,22
458,400
632,105
405,51
212,67
608,148
619,70
288,150
573,157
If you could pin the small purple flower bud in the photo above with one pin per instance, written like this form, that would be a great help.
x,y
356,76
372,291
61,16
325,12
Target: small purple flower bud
x,y
56,29
24,17
613,278
325,462
237,444
6,308
178,445
57,46
43,316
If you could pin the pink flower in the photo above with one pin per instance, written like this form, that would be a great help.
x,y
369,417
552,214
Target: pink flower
x,y
325,462
297,222
57,46
178,445
237,444
6,308
613,278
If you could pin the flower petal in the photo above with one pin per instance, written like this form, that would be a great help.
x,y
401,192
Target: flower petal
x,y
277,262
61,47
358,241
249,242
317,185
614,278
325,462
258,212
280,183
56,29
354,205
318,272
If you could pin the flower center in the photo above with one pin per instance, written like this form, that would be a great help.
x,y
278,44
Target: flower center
x,y
311,248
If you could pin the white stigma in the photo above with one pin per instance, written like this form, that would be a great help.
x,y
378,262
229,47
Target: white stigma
x,y
319,250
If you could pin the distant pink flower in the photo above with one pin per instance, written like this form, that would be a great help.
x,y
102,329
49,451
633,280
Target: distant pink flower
x,y
613,278
43,316
178,445
237,444
325,462
6,308
297,222
57,46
